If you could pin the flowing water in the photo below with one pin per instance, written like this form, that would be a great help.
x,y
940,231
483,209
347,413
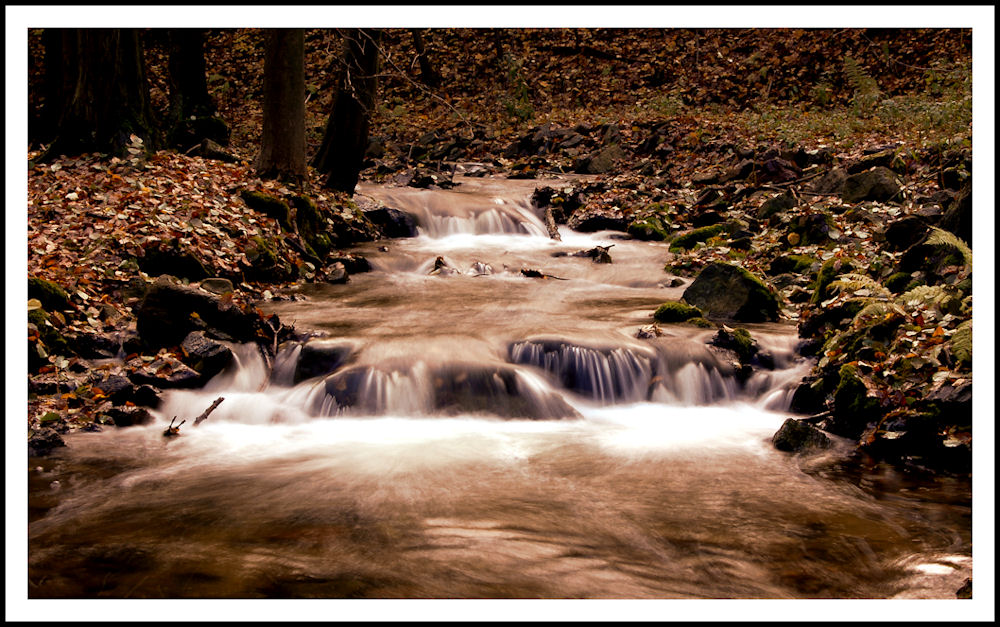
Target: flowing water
x,y
472,432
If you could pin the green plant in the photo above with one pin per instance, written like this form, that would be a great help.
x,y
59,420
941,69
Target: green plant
x,y
866,91
517,101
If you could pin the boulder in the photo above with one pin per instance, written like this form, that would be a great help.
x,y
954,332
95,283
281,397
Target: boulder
x,y
320,357
165,373
796,436
206,356
392,222
130,416
905,232
43,442
830,183
52,295
116,387
600,162
776,204
722,290
879,184
958,217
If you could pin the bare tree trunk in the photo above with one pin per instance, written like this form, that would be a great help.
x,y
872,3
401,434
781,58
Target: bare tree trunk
x,y
427,71
283,137
192,116
99,95
342,152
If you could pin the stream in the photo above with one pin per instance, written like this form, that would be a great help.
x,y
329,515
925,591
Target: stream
x,y
485,434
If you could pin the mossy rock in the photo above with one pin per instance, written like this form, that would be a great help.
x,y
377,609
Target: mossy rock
x,y
265,263
799,264
52,296
270,206
649,229
700,322
777,204
796,436
853,408
688,240
723,290
826,275
879,184
312,226
51,338
676,311
897,283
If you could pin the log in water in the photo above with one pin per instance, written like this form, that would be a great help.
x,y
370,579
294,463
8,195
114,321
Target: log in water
x,y
488,436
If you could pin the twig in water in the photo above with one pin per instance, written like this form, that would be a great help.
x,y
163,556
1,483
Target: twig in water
x,y
205,414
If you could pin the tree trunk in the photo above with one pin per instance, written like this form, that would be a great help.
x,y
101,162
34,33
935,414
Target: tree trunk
x,y
428,74
342,152
99,94
192,115
283,138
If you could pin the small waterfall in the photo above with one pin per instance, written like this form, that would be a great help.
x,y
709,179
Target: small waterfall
x,y
607,375
504,216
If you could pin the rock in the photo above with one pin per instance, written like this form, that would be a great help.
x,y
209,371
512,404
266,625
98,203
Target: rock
x,y
270,206
206,356
799,264
776,204
853,407
353,263
43,442
707,217
337,274
958,217
93,345
147,396
649,331
879,184
808,397
116,387
689,239
591,218
675,311
965,592
320,358
796,436
810,229
167,373
217,285
723,290
739,172
265,263
392,222
905,232
170,257
213,150
130,416
600,162
737,340
52,296
830,183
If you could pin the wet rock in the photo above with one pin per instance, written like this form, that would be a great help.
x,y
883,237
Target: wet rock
x,y
796,436
216,285
649,331
118,388
853,405
206,356
320,357
737,340
879,184
337,274
147,396
165,373
353,262
480,268
808,397
43,442
130,416
268,262
170,311
93,345
675,311
965,592
392,222
591,219
723,290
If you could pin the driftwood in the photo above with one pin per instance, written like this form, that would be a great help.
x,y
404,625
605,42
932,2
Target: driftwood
x,y
535,274
205,414
550,225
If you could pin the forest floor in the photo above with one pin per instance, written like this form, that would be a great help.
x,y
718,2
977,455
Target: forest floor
x,y
691,128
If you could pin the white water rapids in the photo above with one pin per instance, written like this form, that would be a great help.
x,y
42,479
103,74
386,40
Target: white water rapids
x,y
489,435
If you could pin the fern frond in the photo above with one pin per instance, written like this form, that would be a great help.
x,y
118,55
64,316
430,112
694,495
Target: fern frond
x,y
961,342
854,282
924,296
940,237
877,309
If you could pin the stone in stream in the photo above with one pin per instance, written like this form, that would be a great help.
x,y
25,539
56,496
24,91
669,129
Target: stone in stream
x,y
206,356
723,290
796,436
320,357
43,442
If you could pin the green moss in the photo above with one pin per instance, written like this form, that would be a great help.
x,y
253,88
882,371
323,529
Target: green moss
x,y
649,228
266,265
896,283
799,264
744,344
55,343
700,322
270,206
688,240
850,399
675,311
311,225
52,296
827,273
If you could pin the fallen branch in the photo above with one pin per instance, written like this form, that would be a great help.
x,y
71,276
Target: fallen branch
x,y
205,414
